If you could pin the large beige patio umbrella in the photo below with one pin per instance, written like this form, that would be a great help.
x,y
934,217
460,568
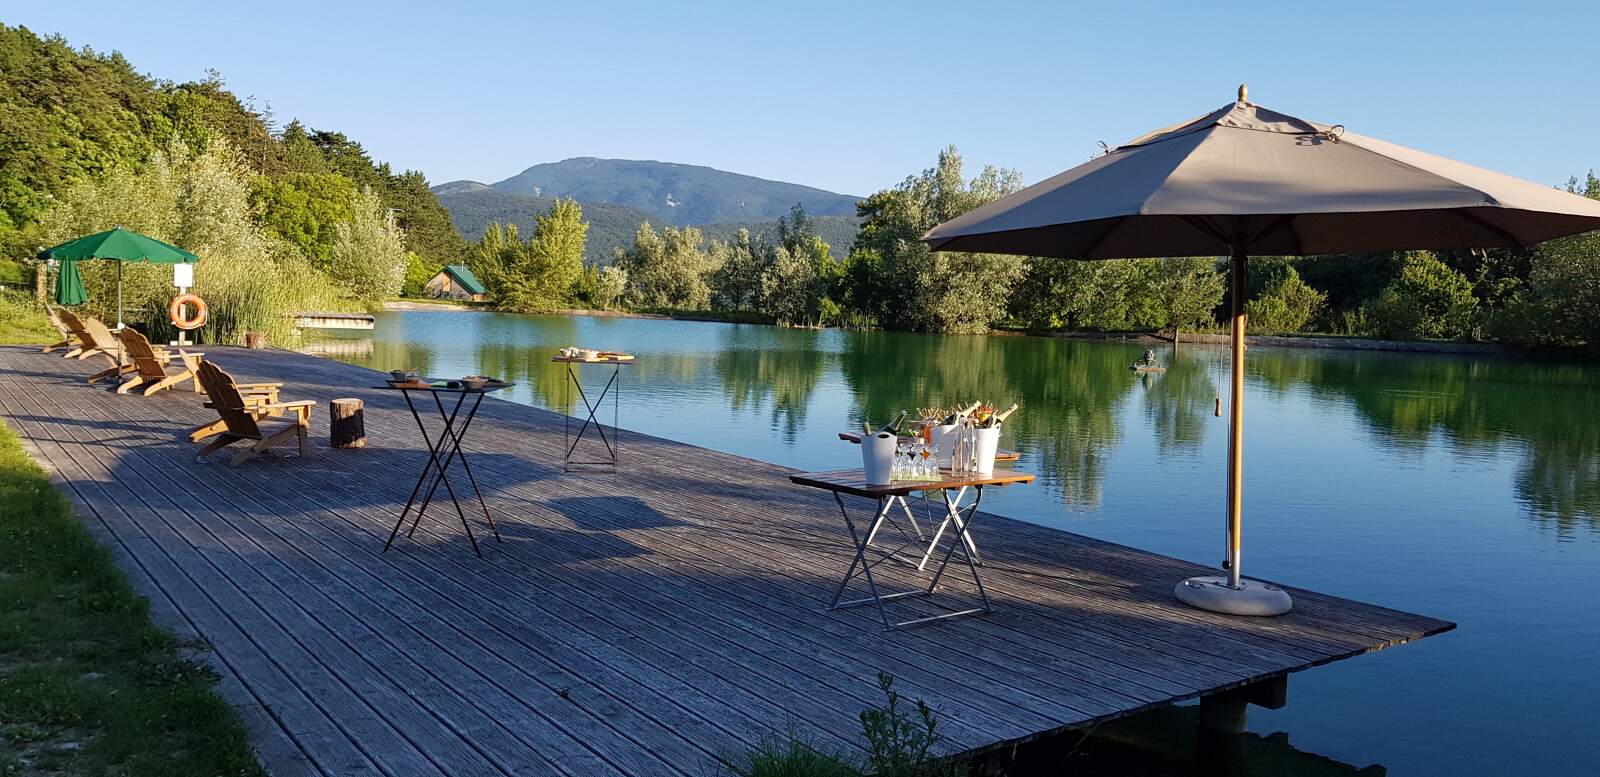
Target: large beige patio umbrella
x,y
1245,180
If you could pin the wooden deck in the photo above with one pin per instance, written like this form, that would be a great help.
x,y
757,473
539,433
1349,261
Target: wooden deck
x,y
634,624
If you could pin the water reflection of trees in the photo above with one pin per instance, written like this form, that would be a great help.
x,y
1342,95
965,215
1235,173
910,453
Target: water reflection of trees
x,y
1180,402
777,366
1478,406
1068,391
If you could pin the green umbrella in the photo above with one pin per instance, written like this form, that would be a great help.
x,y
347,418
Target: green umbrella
x,y
69,286
119,244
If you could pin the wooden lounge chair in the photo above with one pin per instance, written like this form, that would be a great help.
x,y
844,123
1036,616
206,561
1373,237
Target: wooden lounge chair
x,y
86,346
251,421
264,394
121,363
68,340
151,368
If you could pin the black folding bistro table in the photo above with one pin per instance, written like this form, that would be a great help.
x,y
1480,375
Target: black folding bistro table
x,y
454,431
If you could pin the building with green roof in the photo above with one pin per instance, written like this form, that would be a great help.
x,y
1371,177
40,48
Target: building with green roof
x,y
455,282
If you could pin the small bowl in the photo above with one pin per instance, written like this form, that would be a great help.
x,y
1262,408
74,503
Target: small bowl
x,y
400,375
588,353
474,384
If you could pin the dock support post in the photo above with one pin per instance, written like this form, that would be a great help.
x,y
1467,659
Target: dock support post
x,y
1227,712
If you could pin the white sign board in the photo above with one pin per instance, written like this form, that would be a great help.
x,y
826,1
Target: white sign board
x,y
183,275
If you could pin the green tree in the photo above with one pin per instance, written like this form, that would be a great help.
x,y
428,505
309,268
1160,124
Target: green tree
x,y
368,257
541,274
1185,291
418,273
1561,303
736,283
610,284
790,288
304,209
1429,299
894,277
667,270
66,116
1285,305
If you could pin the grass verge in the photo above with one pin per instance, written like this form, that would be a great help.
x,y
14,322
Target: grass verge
x,y
88,685
22,321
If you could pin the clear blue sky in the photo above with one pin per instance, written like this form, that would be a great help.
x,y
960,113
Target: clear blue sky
x,y
855,96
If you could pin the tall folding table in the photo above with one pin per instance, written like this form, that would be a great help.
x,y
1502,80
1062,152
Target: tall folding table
x,y
575,461
450,435
951,487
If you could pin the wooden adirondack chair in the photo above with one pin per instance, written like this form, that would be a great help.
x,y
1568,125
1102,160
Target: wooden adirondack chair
x,y
151,368
98,333
250,421
86,346
67,338
264,394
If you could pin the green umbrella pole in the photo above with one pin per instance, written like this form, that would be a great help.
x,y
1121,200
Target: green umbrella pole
x,y
119,323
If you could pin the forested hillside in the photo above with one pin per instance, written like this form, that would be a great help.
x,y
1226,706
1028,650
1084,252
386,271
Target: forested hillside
x,y
474,207
474,210
677,194
88,142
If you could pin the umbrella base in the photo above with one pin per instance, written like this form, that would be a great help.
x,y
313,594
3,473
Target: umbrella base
x,y
1252,597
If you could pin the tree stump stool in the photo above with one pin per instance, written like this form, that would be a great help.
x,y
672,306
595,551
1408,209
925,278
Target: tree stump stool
x,y
347,429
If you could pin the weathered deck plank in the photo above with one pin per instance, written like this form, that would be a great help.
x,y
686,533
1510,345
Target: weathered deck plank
x,y
640,623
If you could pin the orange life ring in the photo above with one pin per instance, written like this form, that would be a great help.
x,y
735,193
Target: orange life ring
x,y
175,311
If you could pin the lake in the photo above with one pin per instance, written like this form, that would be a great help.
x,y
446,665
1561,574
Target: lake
x,y
1459,487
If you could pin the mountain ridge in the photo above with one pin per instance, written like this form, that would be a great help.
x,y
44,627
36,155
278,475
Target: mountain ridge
x,y
613,226
677,193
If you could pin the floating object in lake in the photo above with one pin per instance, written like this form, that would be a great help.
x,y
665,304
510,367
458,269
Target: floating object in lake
x,y
1148,363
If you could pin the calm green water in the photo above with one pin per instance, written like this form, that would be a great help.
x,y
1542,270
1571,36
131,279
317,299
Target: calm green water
x,y
1462,488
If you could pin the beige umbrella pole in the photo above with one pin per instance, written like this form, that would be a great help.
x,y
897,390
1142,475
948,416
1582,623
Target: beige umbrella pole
x,y
1239,272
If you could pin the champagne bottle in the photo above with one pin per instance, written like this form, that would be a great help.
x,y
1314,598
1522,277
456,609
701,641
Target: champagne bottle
x,y
893,427
866,428
995,419
957,416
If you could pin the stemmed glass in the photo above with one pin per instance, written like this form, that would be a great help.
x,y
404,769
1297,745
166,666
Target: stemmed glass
x,y
902,461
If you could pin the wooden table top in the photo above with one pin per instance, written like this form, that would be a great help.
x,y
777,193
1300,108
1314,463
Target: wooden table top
x,y
854,481
458,389
581,360
1000,454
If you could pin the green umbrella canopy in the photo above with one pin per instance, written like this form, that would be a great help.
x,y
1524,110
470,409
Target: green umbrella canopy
x,y
120,244
69,286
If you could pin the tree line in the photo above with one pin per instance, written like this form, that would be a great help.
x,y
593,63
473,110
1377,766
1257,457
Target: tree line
x,y
1547,294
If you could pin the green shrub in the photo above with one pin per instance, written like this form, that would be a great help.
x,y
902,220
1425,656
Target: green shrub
x,y
1429,299
1286,306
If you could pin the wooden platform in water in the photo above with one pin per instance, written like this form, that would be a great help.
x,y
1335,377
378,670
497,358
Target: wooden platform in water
x,y
631,624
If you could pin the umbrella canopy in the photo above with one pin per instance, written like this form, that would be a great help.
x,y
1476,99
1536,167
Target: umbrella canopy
x,y
119,244
69,286
1244,176
1242,180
